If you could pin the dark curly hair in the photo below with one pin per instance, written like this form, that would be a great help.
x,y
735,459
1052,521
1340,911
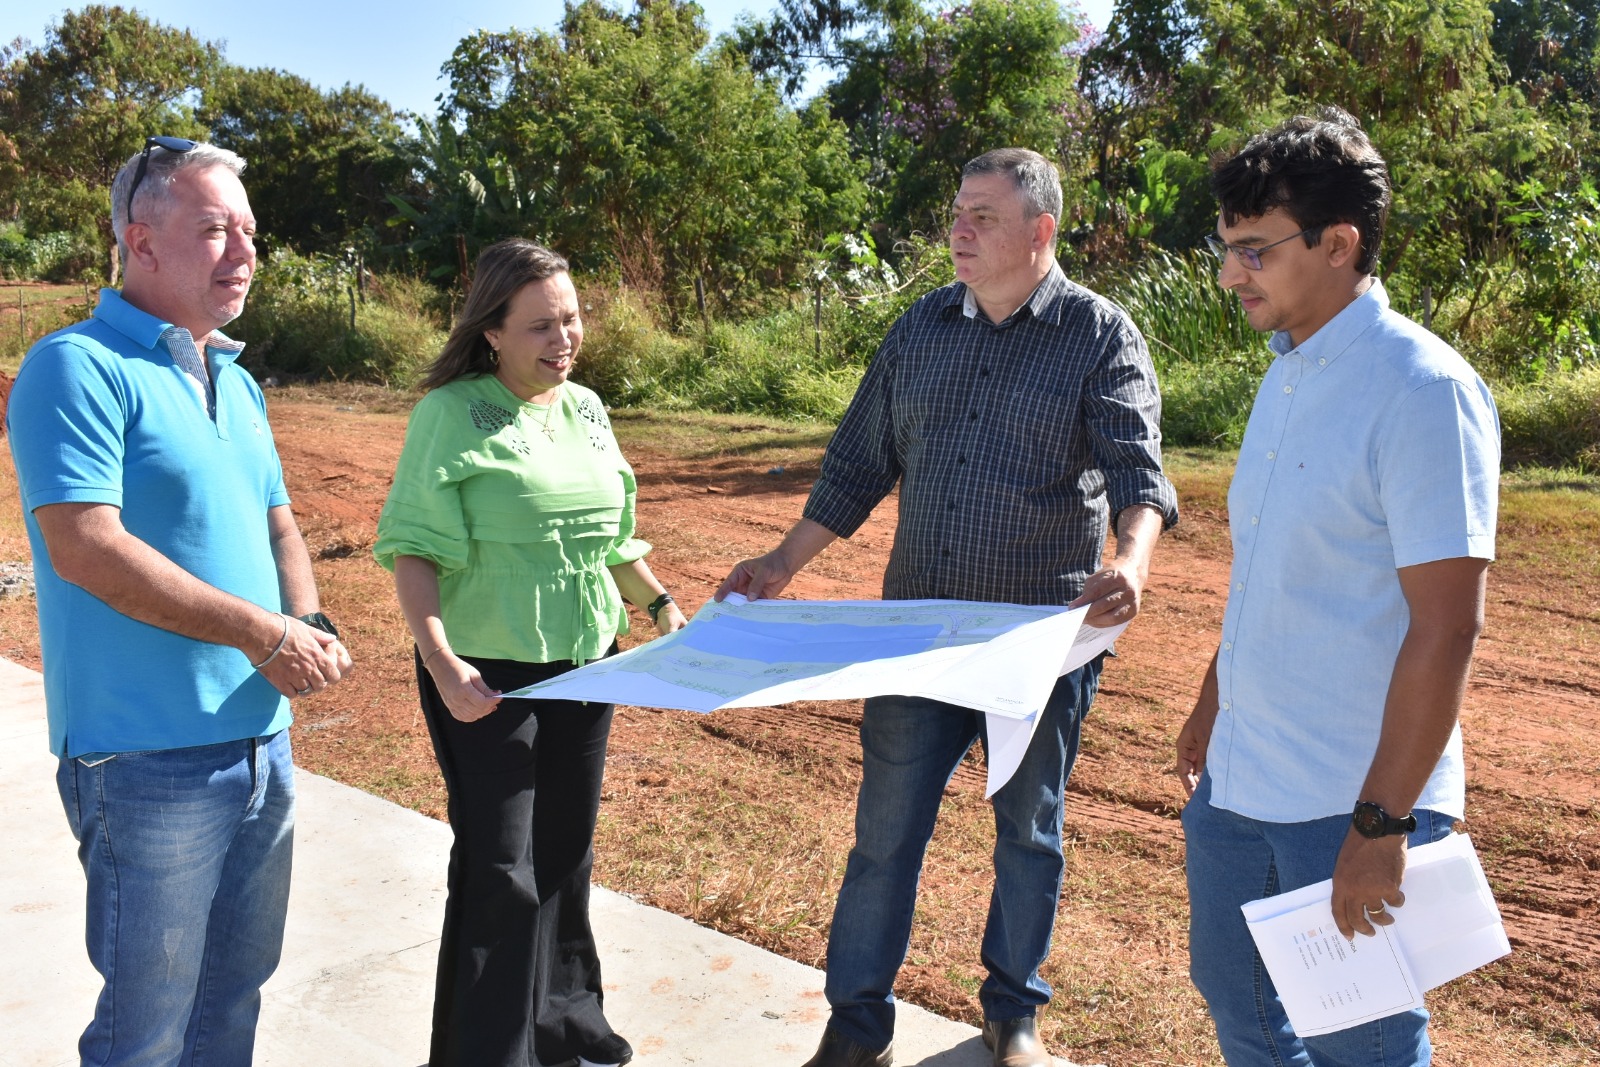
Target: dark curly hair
x,y
1319,170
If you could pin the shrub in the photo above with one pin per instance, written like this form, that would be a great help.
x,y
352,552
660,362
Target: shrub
x,y
298,323
1555,421
52,257
1207,357
765,365
627,352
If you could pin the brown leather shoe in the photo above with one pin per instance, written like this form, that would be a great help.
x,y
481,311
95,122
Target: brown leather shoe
x,y
1015,1043
837,1050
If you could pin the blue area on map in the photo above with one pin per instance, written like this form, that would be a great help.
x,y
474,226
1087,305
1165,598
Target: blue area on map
x,y
819,643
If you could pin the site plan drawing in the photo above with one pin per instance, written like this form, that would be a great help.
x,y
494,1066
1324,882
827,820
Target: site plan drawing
x,y
1001,659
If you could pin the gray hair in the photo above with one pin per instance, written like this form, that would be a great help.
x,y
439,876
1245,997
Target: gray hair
x,y
1035,175
154,194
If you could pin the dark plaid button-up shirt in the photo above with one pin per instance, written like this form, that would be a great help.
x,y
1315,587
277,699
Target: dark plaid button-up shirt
x,y
1014,445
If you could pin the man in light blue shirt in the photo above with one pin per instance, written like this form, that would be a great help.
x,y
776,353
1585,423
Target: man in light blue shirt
x,y
177,616
1362,509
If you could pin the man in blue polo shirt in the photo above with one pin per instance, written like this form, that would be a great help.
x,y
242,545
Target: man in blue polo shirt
x,y
177,614
1325,736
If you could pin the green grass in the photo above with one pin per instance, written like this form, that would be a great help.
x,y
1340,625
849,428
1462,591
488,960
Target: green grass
x,y
44,309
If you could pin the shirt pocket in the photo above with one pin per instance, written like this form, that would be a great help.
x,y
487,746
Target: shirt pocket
x,y
1038,437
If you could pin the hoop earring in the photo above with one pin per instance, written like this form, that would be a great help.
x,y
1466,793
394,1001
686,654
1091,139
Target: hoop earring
x,y
494,357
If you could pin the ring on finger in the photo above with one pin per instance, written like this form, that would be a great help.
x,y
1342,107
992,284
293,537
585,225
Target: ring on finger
x,y
1379,910
302,692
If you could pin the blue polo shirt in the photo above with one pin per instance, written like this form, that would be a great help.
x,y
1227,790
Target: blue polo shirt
x,y
102,413
1372,446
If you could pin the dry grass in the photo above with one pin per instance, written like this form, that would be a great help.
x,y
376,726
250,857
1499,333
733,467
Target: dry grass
x,y
742,821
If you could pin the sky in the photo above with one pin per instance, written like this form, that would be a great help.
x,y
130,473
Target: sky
x,y
394,49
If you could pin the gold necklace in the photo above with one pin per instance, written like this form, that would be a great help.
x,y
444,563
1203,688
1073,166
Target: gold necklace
x,y
548,430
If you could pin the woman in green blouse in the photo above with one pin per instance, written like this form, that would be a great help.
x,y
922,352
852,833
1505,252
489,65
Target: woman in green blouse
x,y
509,529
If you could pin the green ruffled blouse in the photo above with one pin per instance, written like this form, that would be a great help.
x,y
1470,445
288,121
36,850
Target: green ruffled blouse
x,y
520,523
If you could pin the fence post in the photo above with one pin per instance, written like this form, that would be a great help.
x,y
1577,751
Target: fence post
x,y
817,316
1427,307
22,319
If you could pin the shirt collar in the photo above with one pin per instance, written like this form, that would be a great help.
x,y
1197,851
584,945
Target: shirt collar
x,y
147,331
1039,302
1339,332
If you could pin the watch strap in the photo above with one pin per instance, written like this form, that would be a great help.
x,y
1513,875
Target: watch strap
x,y
318,621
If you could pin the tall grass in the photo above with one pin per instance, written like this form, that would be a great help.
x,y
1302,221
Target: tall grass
x,y
1208,359
767,365
1554,421
298,323
790,362
47,309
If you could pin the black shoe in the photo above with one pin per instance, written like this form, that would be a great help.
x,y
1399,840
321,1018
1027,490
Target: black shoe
x,y
1015,1043
837,1050
612,1048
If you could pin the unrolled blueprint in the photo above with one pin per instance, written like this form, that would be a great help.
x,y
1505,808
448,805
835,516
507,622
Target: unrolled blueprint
x,y
1002,659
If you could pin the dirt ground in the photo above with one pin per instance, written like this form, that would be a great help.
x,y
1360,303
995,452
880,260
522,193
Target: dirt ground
x,y
1532,725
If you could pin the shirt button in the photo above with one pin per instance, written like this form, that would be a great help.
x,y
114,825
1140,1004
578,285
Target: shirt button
x,y
961,460
1272,455
944,552
1322,363
1288,389
1255,519
1227,705
1227,646
983,372
1238,587
972,416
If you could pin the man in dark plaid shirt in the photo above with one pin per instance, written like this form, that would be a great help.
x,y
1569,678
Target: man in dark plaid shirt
x,y
1019,412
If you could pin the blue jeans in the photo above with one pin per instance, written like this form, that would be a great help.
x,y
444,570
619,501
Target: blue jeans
x,y
1233,860
187,854
910,747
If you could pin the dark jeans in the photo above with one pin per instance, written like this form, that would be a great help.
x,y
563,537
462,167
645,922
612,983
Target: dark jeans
x,y
910,748
519,978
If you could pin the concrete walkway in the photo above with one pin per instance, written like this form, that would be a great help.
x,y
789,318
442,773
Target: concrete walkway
x,y
357,976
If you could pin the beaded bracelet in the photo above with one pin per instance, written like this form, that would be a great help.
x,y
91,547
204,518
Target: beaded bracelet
x,y
281,642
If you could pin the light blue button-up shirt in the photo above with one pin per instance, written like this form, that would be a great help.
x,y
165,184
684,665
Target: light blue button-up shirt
x,y
1372,446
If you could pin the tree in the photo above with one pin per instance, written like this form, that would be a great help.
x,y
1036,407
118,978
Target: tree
x,y
74,110
1551,46
922,91
1421,75
628,144
928,92
321,163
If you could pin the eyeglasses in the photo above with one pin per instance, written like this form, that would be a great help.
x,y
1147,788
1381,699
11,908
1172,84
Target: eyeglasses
x,y
171,144
1250,257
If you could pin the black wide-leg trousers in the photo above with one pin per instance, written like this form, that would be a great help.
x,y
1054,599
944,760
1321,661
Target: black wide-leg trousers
x,y
519,978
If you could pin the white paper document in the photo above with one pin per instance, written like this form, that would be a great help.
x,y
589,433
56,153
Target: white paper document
x,y
1002,659
1449,925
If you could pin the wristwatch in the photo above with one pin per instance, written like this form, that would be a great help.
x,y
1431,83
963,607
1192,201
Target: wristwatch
x,y
318,621
1370,820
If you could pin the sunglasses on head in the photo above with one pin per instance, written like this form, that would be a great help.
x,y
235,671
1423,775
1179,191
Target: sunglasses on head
x,y
171,144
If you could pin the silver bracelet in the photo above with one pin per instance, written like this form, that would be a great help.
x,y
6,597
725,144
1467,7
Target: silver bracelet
x,y
281,642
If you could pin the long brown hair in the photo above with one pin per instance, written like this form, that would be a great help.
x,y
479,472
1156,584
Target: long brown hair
x,y
503,269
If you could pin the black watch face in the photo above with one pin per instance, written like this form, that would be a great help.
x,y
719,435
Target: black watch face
x,y
1368,820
